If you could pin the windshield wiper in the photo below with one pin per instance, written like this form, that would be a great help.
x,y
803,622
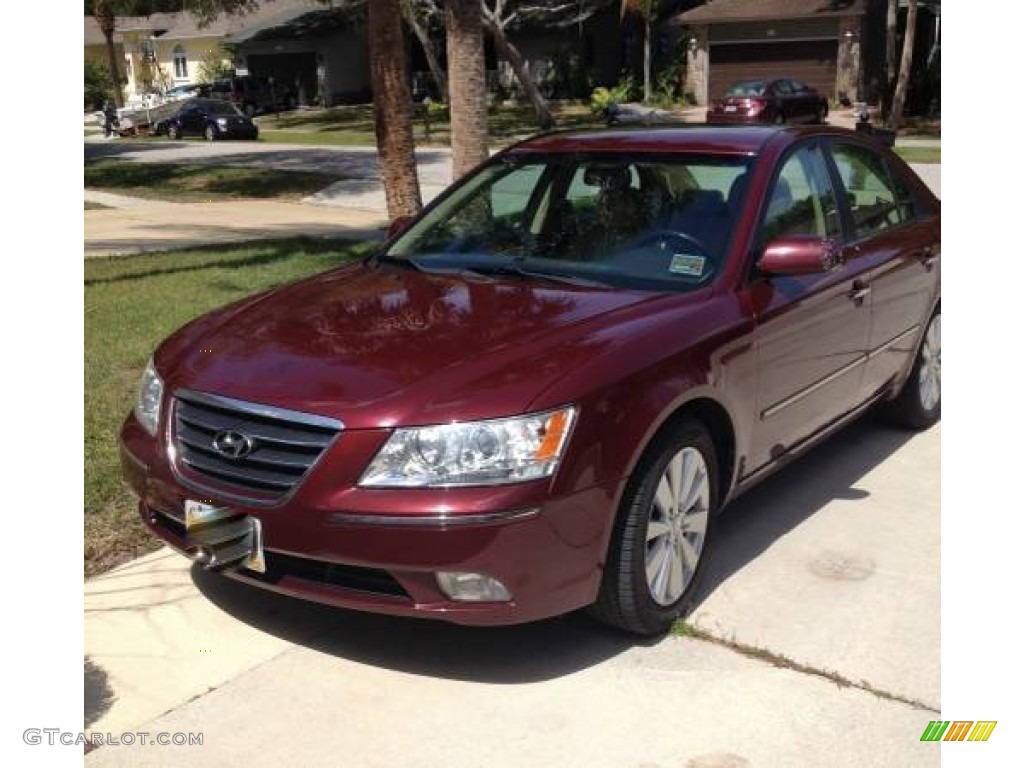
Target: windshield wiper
x,y
515,268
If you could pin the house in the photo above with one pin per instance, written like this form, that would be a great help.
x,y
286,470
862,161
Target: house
x,y
319,49
815,41
835,46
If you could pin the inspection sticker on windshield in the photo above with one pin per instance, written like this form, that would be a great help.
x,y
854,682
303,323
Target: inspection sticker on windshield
x,y
684,264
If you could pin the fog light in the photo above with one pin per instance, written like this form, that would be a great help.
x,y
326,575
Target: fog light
x,y
472,587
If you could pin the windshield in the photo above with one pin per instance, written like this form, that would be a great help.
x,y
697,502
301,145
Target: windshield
x,y
658,222
746,89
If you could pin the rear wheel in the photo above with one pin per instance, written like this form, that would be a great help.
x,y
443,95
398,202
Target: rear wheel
x,y
661,534
919,404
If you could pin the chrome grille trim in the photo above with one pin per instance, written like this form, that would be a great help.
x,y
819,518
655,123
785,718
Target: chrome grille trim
x,y
288,444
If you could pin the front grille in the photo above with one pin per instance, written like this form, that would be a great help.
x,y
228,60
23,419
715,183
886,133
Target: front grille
x,y
285,445
353,577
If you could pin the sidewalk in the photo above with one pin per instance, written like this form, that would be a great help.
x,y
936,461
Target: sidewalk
x,y
132,225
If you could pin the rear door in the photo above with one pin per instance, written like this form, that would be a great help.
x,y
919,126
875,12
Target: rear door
x,y
811,331
899,238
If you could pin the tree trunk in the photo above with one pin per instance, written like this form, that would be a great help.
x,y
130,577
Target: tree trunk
x,y
436,70
392,108
890,43
513,57
104,16
906,62
647,57
468,96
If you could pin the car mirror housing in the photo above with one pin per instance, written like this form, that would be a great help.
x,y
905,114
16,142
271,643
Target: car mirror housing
x,y
799,255
397,225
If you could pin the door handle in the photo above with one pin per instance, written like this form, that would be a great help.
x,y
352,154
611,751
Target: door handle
x,y
860,291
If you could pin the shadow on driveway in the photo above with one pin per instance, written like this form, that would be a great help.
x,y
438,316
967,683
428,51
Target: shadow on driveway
x,y
564,645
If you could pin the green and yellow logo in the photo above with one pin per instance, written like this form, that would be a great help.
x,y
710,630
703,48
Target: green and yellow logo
x,y
958,730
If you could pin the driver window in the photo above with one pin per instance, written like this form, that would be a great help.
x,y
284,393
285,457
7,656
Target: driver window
x,y
801,200
869,190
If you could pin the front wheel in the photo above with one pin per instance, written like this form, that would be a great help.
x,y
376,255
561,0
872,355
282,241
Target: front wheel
x,y
661,534
919,403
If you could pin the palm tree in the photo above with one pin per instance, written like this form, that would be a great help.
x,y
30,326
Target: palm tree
x,y
468,94
104,12
392,108
647,9
906,62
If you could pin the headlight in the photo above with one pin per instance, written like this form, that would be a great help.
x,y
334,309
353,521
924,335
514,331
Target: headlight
x,y
222,122
474,453
151,392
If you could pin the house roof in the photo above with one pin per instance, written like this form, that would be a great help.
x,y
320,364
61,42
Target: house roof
x,y
717,11
233,25
181,26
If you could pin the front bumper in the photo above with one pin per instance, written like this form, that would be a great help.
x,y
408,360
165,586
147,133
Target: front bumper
x,y
380,550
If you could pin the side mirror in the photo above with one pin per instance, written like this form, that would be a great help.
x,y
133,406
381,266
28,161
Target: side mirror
x,y
799,255
397,225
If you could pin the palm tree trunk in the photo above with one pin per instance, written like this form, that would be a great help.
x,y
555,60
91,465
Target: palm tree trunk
x,y
468,96
436,70
890,43
647,56
515,59
104,16
906,62
392,108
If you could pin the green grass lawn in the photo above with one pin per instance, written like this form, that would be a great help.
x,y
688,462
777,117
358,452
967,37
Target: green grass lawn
x,y
353,125
131,304
920,154
202,183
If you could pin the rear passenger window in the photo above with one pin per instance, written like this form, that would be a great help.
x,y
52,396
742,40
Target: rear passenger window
x,y
904,197
869,190
801,201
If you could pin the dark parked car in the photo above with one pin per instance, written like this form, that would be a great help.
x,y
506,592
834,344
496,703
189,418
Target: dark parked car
x,y
538,394
254,95
769,101
210,118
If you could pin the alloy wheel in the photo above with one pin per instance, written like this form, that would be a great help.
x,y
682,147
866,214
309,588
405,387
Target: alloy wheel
x,y
929,380
677,525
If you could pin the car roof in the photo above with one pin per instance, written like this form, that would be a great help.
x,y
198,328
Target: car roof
x,y
731,140
698,138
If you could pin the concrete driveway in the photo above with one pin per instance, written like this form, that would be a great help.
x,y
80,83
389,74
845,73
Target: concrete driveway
x,y
818,645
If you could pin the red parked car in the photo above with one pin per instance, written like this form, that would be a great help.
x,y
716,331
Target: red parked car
x,y
769,101
538,395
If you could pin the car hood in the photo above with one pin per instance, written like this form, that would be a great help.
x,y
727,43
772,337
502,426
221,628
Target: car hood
x,y
383,345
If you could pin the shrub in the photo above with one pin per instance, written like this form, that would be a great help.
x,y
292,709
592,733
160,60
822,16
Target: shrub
x,y
98,85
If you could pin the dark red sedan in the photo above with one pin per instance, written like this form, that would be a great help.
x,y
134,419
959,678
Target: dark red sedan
x,y
538,395
781,100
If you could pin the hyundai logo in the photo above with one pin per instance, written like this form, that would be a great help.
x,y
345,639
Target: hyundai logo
x,y
233,445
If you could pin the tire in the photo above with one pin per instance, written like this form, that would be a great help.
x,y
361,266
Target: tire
x,y
210,133
647,539
919,403
173,132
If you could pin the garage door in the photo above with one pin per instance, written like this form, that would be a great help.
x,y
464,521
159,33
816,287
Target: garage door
x,y
812,62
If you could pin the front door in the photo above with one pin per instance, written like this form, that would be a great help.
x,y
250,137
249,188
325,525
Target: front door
x,y
811,331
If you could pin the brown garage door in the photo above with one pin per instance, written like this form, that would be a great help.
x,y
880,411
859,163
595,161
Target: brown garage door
x,y
811,61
